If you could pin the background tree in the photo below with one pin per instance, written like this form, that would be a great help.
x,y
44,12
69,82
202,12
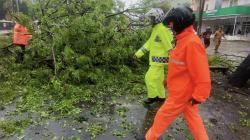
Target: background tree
x,y
8,7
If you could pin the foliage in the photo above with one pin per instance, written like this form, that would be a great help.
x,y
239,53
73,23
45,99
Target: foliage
x,y
244,121
220,61
8,7
12,127
93,52
4,41
122,112
84,38
95,129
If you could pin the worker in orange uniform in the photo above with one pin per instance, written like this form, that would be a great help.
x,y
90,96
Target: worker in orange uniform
x,y
217,39
20,38
188,80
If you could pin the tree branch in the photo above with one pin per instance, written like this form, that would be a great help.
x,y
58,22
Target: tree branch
x,y
115,14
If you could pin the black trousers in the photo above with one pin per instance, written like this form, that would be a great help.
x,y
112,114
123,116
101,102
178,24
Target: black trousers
x,y
20,55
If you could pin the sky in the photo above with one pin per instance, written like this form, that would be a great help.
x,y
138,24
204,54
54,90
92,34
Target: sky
x,y
129,2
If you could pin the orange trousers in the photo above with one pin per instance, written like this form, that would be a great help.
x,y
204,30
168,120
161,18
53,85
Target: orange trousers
x,y
169,111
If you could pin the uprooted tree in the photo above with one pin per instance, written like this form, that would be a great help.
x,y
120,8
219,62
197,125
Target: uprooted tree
x,y
81,52
79,36
242,74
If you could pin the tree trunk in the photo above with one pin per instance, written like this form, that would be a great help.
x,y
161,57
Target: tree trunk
x,y
242,74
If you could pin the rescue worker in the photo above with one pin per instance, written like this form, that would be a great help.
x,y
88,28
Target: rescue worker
x,y
158,46
217,38
188,80
206,36
20,38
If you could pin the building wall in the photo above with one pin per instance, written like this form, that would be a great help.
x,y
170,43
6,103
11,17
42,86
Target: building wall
x,y
242,26
209,5
195,5
243,2
225,3
213,4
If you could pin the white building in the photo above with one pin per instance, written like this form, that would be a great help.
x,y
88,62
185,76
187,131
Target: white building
x,y
232,15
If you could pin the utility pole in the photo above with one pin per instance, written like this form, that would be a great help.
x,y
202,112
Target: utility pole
x,y
201,9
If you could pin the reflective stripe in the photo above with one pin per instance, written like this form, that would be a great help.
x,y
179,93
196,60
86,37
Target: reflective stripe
x,y
177,62
144,50
159,59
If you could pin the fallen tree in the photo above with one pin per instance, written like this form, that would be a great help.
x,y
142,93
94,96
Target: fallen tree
x,y
242,74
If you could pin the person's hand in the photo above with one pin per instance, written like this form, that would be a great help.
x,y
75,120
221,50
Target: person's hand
x,y
194,102
165,83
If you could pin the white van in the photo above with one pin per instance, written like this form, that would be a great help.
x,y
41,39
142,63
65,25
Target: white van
x,y
6,27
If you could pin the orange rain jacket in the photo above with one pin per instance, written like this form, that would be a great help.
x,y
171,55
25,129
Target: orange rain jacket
x,y
21,35
188,73
188,77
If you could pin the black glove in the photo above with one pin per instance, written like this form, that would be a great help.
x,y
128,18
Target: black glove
x,y
194,102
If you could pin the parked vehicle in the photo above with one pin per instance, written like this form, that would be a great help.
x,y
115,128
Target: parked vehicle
x,y
6,27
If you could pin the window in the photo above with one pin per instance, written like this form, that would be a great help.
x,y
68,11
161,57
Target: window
x,y
218,4
233,2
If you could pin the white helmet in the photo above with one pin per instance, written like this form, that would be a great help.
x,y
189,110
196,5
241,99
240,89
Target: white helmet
x,y
157,13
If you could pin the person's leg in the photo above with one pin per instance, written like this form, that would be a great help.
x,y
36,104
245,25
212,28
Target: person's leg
x,y
194,122
205,43
150,87
150,84
22,52
154,81
164,117
217,45
208,43
159,82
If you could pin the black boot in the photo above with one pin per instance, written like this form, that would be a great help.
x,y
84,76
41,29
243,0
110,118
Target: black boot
x,y
140,138
150,100
161,99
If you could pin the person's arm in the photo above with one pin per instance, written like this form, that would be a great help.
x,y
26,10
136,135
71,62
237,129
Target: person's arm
x,y
197,64
223,35
167,39
143,50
